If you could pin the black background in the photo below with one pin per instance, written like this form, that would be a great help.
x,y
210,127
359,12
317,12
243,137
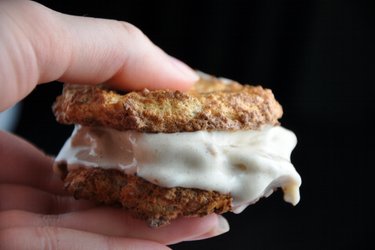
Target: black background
x,y
316,56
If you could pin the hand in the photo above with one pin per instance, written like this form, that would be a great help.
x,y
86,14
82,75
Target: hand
x,y
39,45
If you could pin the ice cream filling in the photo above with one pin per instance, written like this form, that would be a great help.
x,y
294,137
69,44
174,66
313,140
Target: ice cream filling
x,y
248,164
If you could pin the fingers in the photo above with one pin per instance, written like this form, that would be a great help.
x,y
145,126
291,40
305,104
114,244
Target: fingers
x,y
22,163
34,169
19,197
41,45
64,238
118,223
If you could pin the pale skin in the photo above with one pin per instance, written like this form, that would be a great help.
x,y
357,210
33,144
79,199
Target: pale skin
x,y
39,45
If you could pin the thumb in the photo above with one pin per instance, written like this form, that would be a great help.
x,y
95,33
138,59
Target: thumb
x,y
118,52
40,45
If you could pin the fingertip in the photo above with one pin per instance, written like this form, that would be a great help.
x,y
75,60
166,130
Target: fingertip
x,y
188,75
220,227
148,66
195,228
157,70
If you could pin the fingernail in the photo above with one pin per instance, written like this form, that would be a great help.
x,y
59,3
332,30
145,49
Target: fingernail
x,y
185,70
222,227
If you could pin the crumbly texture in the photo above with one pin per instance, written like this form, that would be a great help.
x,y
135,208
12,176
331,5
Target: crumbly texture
x,y
211,104
144,200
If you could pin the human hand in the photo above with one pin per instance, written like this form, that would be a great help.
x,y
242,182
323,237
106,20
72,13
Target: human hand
x,y
39,45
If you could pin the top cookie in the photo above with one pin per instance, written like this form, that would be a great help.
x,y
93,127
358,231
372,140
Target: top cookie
x,y
211,104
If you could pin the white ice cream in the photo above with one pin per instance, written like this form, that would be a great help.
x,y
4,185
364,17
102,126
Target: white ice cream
x,y
246,164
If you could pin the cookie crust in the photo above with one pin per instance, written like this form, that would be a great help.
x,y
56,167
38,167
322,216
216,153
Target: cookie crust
x,y
144,200
211,104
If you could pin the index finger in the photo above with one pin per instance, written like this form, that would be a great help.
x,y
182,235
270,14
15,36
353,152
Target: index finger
x,y
22,163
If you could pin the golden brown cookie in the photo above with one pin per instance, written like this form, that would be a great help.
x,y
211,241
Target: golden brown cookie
x,y
144,200
211,104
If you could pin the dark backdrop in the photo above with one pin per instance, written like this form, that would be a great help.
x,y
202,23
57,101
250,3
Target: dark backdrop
x,y
316,56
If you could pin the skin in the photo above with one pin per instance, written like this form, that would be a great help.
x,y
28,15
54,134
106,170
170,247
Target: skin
x,y
39,45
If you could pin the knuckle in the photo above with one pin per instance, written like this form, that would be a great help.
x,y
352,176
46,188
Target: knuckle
x,y
50,220
56,204
41,238
131,30
48,237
